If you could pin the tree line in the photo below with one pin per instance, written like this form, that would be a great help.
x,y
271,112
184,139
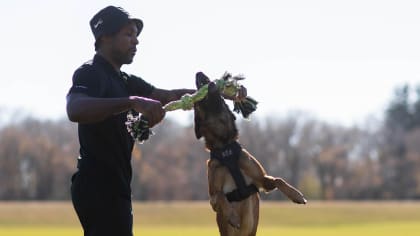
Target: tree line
x,y
379,160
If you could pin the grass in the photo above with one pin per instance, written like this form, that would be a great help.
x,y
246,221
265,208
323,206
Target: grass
x,y
197,218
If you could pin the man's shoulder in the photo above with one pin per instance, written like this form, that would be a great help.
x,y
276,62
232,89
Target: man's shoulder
x,y
88,69
86,66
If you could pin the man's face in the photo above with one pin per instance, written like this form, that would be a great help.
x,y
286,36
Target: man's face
x,y
123,44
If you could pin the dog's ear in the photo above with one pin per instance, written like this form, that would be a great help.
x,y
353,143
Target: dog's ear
x,y
201,79
198,134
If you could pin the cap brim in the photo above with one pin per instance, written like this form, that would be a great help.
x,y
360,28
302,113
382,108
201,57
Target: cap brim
x,y
139,25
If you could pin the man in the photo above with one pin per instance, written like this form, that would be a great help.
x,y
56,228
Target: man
x,y
98,100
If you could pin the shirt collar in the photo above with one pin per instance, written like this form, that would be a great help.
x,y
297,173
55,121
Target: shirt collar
x,y
98,59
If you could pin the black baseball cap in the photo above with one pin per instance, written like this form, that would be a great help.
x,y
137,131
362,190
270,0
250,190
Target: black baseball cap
x,y
110,20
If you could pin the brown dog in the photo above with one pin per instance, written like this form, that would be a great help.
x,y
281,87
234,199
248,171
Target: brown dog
x,y
234,175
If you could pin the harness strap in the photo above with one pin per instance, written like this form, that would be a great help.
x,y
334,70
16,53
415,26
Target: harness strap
x,y
229,157
237,196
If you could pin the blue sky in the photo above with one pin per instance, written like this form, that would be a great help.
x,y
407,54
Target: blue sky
x,y
337,60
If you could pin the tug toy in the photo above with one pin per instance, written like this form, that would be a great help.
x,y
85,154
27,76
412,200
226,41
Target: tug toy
x,y
138,127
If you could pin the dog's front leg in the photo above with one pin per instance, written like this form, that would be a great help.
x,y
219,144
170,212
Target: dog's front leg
x,y
216,177
255,170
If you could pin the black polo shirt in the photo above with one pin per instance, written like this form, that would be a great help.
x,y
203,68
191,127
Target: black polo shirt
x,y
106,146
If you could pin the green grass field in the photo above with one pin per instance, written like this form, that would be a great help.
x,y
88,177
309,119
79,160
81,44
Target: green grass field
x,y
197,218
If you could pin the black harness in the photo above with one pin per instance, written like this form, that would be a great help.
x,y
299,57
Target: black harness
x,y
229,157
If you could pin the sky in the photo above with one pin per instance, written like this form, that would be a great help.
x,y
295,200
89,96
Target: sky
x,y
339,61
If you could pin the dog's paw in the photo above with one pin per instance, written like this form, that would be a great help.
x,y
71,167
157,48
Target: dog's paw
x,y
292,193
296,196
234,220
300,200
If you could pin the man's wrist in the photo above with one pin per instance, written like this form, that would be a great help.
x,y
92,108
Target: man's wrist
x,y
178,93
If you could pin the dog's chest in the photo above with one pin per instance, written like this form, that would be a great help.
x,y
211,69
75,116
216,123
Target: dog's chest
x,y
229,184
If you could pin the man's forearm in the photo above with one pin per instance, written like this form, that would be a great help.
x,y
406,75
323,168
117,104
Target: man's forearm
x,y
166,96
85,109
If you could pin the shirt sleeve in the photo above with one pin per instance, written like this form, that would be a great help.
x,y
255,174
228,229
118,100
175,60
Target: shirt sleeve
x,y
139,87
87,80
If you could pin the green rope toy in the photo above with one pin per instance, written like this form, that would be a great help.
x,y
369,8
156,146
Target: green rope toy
x,y
228,85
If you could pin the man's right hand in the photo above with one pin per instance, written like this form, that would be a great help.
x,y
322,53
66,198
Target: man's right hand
x,y
151,109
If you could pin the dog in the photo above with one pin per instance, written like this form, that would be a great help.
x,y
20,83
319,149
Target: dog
x,y
235,177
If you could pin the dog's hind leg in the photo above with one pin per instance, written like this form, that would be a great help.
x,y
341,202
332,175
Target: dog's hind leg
x,y
252,168
225,211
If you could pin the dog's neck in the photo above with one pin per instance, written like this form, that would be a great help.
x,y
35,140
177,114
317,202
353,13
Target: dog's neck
x,y
217,143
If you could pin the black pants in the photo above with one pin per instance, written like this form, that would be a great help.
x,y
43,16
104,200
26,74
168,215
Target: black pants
x,y
101,211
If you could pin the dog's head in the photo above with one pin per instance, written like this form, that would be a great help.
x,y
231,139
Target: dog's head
x,y
213,119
